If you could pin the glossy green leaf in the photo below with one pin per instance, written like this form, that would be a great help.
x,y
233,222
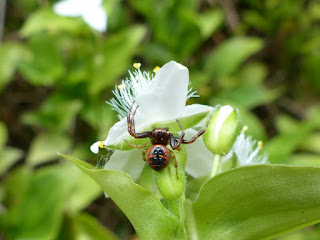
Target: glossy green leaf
x,y
258,202
143,209
225,59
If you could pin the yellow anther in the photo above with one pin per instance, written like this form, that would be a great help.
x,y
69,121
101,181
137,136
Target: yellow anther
x,y
121,86
101,144
156,69
245,128
260,144
137,65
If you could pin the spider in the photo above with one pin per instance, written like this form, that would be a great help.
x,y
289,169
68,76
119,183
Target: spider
x,y
158,154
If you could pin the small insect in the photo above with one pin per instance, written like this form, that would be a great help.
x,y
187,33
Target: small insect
x,y
158,154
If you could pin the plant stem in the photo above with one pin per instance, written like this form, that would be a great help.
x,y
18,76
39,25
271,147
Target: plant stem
x,y
216,165
190,222
182,213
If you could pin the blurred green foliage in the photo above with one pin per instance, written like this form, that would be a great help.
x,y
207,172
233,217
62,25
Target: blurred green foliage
x,y
261,57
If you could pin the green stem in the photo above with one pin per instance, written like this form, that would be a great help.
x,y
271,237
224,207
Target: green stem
x,y
182,213
190,222
216,165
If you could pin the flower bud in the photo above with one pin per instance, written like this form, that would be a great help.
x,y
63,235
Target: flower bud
x,y
170,181
222,131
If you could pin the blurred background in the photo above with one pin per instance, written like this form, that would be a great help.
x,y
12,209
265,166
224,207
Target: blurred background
x,y
57,69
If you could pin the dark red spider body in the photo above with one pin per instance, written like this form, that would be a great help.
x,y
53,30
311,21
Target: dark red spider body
x,y
158,157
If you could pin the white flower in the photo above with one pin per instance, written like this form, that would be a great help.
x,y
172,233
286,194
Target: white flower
x,y
160,99
91,12
245,150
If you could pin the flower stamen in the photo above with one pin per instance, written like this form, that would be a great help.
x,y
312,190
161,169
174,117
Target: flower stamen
x,y
101,144
121,86
137,65
244,129
156,69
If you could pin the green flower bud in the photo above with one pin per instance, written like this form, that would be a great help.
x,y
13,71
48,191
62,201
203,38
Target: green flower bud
x,y
170,181
222,131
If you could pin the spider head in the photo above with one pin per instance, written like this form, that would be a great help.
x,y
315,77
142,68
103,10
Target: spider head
x,y
160,136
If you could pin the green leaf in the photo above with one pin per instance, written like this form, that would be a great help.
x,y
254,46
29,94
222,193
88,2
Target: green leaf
x,y
46,20
39,214
115,56
209,22
143,209
52,115
85,226
84,190
3,134
10,56
227,58
45,65
246,96
44,148
280,147
312,143
16,183
258,202
8,157
305,159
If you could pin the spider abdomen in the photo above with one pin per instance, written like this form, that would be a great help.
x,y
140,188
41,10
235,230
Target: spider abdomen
x,y
158,157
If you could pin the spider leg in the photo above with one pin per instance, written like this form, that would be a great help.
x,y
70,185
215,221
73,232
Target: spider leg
x,y
198,134
176,142
134,145
175,162
131,125
144,154
129,122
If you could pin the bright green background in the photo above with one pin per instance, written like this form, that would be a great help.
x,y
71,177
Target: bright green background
x,y
56,73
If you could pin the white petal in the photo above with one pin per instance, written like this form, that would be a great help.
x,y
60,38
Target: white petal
x,y
199,161
224,112
96,18
69,8
196,108
166,95
117,132
95,147
130,162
